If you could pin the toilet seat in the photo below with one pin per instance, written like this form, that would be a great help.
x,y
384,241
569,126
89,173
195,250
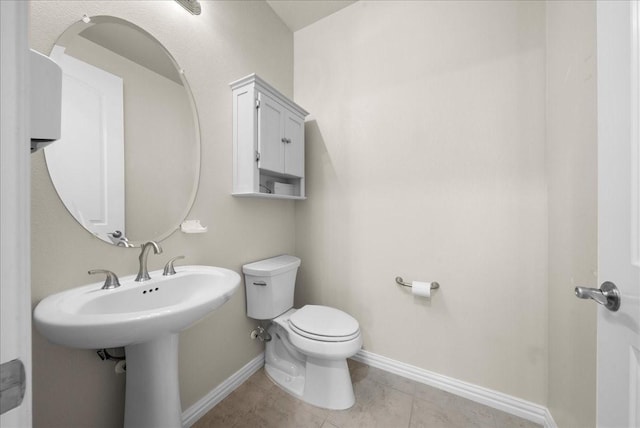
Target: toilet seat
x,y
321,347
324,324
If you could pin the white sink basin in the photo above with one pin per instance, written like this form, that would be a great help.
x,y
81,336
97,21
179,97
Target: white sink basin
x,y
135,312
145,318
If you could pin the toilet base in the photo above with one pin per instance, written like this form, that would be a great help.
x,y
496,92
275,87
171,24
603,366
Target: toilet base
x,y
292,385
328,384
321,382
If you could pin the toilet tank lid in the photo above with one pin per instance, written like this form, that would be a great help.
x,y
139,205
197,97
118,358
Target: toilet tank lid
x,y
272,266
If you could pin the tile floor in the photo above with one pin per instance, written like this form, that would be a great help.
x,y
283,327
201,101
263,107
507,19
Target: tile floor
x,y
383,400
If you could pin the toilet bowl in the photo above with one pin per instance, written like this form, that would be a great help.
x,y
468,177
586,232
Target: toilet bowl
x,y
313,370
308,351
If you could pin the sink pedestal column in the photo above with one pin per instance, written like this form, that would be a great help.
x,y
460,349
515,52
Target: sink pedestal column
x,y
152,392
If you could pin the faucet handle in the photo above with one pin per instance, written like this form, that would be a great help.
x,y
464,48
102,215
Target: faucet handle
x,y
168,268
110,282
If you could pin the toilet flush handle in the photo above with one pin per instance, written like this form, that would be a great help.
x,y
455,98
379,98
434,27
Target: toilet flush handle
x,y
260,283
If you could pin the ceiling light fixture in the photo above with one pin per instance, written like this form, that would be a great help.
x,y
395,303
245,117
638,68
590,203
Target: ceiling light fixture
x,y
193,6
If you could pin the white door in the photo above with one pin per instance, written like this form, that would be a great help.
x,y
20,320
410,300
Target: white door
x,y
618,380
93,130
15,286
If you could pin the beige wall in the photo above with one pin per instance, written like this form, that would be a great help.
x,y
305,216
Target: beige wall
x,y
425,159
572,176
229,40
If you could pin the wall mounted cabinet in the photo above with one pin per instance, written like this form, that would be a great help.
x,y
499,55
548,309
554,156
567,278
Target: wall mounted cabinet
x,y
268,141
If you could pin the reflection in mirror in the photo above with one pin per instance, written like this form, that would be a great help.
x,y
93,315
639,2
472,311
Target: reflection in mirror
x,y
128,163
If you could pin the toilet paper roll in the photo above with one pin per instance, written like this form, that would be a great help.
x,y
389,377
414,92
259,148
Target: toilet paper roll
x,y
421,289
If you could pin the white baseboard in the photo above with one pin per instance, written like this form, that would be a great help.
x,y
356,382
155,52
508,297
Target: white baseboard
x,y
497,400
219,393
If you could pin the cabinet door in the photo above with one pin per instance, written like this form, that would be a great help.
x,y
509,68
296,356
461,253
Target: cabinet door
x,y
270,133
294,148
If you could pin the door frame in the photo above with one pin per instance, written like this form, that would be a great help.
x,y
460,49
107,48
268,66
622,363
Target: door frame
x,y
15,201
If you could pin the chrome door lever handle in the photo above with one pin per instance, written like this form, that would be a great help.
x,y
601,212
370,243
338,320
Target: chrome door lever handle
x,y
591,293
607,295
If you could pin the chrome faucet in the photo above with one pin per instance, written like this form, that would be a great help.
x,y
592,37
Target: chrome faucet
x,y
143,273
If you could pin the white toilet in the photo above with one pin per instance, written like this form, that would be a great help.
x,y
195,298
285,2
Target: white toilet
x,y
308,351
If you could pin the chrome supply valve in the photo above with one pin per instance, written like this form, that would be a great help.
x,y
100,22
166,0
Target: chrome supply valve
x,y
261,333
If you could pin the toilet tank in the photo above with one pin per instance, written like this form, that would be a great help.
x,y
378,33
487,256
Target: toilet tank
x,y
270,285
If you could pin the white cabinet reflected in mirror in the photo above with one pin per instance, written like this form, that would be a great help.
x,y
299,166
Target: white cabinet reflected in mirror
x,y
128,162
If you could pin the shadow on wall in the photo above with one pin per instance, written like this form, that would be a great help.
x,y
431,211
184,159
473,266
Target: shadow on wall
x,y
327,194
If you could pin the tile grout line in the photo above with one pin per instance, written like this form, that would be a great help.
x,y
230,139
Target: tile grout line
x,y
386,385
413,399
393,387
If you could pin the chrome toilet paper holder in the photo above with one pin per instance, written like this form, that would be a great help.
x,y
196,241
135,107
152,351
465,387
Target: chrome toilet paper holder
x,y
400,281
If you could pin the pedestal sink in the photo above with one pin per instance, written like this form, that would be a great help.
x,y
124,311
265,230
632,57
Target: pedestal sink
x,y
145,318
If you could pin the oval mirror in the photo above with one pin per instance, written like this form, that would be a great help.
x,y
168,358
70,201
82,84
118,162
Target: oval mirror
x,y
128,162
